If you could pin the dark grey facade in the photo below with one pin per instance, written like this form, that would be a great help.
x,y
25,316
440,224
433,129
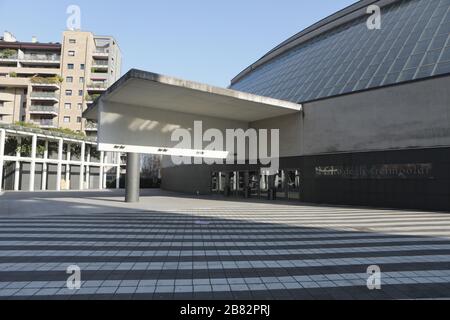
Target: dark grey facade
x,y
407,179
375,127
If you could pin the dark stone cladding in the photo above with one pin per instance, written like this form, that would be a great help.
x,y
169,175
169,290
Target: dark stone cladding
x,y
410,193
419,193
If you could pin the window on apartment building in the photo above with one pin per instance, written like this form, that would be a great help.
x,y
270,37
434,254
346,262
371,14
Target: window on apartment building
x,y
1,117
2,104
80,93
72,41
81,79
82,66
68,106
78,119
80,106
68,92
70,66
71,53
66,119
69,79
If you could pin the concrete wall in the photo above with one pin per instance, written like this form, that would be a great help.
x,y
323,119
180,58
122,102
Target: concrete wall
x,y
153,127
290,127
413,115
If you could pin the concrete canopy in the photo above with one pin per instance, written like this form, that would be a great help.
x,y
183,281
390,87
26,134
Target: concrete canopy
x,y
141,110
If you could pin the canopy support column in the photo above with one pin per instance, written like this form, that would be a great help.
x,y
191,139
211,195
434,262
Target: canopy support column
x,y
133,177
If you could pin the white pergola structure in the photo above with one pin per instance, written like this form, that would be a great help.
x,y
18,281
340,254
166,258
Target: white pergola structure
x,y
139,113
83,162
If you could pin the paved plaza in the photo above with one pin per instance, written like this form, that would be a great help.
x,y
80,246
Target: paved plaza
x,y
171,246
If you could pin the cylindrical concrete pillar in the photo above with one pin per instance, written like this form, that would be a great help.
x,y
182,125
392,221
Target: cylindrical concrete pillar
x,y
2,151
133,177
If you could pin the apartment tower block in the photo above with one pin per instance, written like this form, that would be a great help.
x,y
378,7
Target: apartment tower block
x,y
51,84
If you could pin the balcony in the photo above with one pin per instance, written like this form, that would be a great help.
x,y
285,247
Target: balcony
x,y
46,124
36,95
8,56
102,64
99,73
99,76
41,109
101,52
10,59
46,85
97,86
14,81
91,126
91,97
53,82
41,58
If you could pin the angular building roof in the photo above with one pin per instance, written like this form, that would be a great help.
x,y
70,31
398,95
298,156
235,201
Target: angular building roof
x,y
151,91
340,55
142,110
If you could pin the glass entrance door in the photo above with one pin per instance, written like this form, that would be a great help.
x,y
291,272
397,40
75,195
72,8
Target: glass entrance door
x,y
264,184
218,182
293,184
215,185
253,184
281,185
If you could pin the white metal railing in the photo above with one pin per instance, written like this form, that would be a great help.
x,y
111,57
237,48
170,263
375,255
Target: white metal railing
x,y
42,108
46,123
38,94
97,85
10,57
102,63
101,51
41,57
91,126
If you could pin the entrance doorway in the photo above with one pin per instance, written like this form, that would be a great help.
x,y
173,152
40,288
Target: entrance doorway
x,y
284,185
293,184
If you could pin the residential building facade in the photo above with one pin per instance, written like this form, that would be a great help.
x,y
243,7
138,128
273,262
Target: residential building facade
x,y
51,84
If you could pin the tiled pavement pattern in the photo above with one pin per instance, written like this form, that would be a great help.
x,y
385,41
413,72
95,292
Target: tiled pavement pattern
x,y
237,252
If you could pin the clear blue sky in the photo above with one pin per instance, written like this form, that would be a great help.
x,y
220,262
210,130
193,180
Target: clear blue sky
x,y
203,40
